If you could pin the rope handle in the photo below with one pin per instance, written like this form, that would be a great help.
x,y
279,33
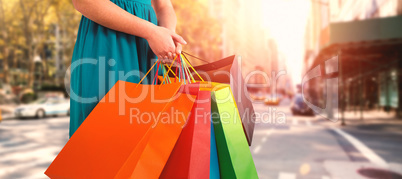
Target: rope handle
x,y
147,73
156,62
186,71
183,52
164,77
183,64
186,60
155,80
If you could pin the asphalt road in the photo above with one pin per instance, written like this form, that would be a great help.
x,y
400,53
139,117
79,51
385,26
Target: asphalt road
x,y
284,146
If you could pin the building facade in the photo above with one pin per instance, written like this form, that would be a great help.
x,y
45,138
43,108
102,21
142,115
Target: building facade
x,y
243,35
363,35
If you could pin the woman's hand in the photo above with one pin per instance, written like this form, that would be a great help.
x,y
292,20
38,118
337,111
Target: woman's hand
x,y
178,48
162,42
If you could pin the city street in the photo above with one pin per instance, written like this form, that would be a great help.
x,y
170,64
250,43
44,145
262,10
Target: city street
x,y
338,58
27,147
312,147
296,147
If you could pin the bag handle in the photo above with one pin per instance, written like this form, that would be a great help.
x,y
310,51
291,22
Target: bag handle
x,y
186,70
156,74
147,72
155,80
184,63
183,52
164,77
185,59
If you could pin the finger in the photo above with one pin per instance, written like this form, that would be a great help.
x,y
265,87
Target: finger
x,y
178,48
170,55
169,62
179,39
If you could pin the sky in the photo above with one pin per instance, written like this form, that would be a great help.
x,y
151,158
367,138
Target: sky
x,y
285,21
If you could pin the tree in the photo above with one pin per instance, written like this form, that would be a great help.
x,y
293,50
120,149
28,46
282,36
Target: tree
x,y
4,33
33,14
201,31
28,30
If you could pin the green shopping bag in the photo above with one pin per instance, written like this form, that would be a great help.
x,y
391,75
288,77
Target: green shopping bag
x,y
235,160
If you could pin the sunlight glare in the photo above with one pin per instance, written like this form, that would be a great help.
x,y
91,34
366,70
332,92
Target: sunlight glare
x,y
285,20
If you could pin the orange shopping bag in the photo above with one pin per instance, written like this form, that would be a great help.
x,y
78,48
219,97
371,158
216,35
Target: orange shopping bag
x,y
150,163
129,134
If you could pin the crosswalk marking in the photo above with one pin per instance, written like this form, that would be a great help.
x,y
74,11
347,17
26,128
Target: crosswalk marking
x,y
308,122
295,122
11,142
264,139
18,148
257,149
367,152
33,158
284,175
22,166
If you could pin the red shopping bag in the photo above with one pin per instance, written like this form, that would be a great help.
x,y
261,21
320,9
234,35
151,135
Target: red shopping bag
x,y
228,70
113,145
190,157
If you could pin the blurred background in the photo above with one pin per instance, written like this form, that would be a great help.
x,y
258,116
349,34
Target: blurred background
x,y
281,42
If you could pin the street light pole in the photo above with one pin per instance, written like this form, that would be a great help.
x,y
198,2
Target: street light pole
x,y
341,88
57,55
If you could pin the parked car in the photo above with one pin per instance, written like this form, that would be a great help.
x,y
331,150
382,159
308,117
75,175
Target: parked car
x,y
257,96
273,100
50,106
299,107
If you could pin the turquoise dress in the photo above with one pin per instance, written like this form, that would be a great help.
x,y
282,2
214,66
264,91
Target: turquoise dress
x,y
103,56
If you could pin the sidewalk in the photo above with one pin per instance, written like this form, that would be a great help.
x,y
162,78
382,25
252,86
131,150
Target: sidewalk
x,y
369,117
7,111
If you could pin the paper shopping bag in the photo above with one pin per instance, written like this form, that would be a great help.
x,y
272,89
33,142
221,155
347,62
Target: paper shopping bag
x,y
124,136
163,138
235,160
228,70
213,165
190,157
